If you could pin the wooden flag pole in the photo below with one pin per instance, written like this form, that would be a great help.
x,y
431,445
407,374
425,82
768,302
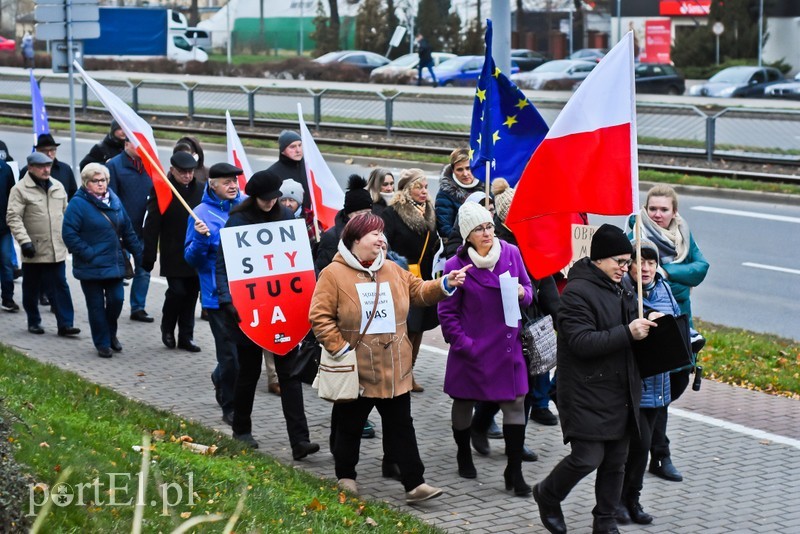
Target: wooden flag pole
x,y
637,232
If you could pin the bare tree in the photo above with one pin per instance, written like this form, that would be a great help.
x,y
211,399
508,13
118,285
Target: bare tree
x,y
334,23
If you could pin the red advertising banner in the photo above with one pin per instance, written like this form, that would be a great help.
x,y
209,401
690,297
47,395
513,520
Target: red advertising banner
x,y
684,8
271,279
658,41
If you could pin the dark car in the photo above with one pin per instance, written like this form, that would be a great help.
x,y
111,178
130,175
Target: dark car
x,y
659,78
589,54
527,59
460,70
790,90
556,75
738,82
362,59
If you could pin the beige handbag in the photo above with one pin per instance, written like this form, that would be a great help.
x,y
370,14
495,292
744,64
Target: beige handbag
x,y
337,378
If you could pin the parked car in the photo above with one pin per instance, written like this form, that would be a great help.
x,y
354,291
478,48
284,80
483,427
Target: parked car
x,y
589,54
560,74
404,68
7,45
366,61
738,82
789,90
460,70
527,59
659,78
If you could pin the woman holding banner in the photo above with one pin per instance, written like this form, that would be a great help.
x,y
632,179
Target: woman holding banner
x,y
261,206
338,315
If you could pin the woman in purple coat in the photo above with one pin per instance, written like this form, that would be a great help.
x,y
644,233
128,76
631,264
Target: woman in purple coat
x,y
485,362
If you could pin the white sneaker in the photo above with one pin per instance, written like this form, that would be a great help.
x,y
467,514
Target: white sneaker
x,y
423,492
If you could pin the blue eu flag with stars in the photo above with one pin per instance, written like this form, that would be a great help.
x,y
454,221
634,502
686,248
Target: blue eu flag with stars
x,y
506,127
38,111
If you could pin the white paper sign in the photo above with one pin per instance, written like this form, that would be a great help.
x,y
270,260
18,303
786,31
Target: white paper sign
x,y
384,322
509,290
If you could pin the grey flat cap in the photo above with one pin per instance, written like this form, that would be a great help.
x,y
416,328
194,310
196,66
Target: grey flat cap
x,y
37,158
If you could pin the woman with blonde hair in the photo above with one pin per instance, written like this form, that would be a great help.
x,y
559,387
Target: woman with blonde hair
x,y
381,188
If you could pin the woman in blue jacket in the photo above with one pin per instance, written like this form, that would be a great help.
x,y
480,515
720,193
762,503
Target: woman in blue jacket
x,y
96,229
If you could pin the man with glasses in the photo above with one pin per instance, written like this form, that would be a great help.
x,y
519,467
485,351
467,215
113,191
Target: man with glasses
x,y
598,383
46,144
166,233
35,214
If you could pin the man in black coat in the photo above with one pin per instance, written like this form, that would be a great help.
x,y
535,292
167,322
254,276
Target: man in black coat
x,y
599,387
111,145
290,164
166,233
60,171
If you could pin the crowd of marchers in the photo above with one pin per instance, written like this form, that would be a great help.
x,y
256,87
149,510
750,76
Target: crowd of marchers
x,y
439,262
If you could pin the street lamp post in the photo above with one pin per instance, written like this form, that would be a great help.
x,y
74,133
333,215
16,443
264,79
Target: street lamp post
x,y
760,29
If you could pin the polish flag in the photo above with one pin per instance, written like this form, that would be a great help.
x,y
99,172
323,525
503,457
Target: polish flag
x,y
327,197
236,154
139,133
587,163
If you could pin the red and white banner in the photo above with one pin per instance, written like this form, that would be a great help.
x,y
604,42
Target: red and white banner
x,y
684,8
271,279
587,163
327,197
236,154
138,132
658,41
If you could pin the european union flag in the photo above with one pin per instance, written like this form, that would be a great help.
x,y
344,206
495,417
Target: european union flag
x,y
40,125
506,127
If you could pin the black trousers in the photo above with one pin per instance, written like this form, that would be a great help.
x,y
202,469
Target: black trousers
x,y
659,447
250,357
398,434
608,458
179,304
637,454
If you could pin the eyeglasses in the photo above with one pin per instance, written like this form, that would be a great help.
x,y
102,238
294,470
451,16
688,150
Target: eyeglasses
x,y
622,262
98,181
486,228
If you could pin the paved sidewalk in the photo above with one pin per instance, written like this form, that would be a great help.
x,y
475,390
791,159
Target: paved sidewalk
x,y
739,450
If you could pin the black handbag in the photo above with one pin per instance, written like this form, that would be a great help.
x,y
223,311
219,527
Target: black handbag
x,y
538,341
306,361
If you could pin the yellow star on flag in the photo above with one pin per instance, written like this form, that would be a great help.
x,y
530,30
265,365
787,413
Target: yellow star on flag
x,y
522,103
511,120
479,139
496,72
496,136
481,94
471,154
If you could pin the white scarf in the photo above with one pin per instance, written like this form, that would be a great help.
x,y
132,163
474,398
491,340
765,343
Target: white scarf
x,y
488,261
355,263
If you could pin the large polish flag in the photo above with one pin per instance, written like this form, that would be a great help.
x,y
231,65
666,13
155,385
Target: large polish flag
x,y
139,133
587,163
327,197
236,154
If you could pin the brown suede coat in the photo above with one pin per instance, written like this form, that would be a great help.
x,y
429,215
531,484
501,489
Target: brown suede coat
x,y
384,360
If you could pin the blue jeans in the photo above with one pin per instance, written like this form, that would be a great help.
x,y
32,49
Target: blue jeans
x,y
540,390
429,66
104,300
139,286
48,279
7,266
227,362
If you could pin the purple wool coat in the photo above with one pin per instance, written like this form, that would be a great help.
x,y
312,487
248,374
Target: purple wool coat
x,y
485,361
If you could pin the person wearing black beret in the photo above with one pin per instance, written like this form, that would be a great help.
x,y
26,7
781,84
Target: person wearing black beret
x,y
599,388
165,233
261,206
46,144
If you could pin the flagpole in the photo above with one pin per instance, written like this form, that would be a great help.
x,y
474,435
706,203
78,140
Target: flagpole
x,y
308,182
638,234
487,186
155,165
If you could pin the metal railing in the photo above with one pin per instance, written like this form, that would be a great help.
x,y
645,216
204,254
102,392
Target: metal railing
x,y
769,134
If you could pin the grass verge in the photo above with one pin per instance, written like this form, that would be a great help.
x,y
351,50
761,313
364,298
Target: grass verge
x,y
62,421
754,361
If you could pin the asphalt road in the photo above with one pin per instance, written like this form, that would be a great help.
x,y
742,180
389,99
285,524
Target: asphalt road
x,y
753,247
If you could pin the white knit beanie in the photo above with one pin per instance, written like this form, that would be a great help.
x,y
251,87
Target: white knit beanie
x,y
292,189
470,216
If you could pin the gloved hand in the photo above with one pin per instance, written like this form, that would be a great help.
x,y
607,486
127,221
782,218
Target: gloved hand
x,y
28,250
147,266
230,311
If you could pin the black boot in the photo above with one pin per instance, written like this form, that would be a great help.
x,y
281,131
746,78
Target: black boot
x,y
637,513
466,469
514,436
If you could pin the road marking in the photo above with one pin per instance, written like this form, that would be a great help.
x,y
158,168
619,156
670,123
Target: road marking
x,y
735,427
705,419
752,214
771,268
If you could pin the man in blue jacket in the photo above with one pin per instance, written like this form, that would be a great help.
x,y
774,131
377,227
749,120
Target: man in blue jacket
x,y
201,245
131,183
6,242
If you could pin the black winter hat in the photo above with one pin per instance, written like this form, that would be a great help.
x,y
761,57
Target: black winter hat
x,y
45,140
286,138
357,196
115,126
183,161
265,185
223,170
608,241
